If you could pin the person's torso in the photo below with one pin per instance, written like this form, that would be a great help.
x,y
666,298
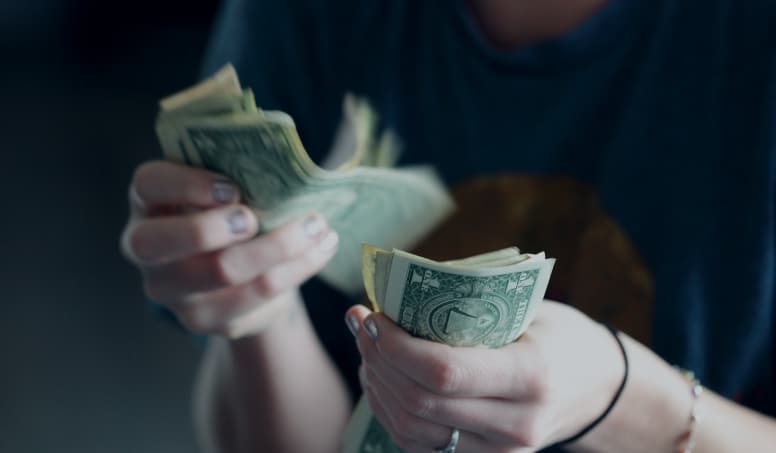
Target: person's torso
x,y
638,150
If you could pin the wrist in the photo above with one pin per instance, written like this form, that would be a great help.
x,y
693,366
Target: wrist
x,y
614,385
688,440
652,411
271,318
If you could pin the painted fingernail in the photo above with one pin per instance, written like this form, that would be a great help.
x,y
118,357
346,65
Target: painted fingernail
x,y
238,221
352,323
313,225
371,328
223,192
329,242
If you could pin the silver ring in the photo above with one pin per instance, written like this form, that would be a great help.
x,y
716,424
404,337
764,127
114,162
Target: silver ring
x,y
451,446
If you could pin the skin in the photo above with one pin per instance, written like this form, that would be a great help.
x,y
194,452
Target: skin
x,y
509,24
254,390
542,389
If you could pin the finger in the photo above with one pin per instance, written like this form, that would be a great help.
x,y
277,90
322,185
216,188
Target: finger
x,y
374,403
239,263
514,371
156,241
354,319
230,312
385,421
233,312
494,419
499,421
293,273
216,311
273,283
408,429
160,184
382,417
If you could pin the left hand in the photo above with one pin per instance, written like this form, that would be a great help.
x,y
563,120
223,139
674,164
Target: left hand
x,y
551,383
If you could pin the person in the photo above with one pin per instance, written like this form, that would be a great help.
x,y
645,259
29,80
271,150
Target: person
x,y
633,140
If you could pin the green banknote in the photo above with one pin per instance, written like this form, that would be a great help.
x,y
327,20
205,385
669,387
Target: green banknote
x,y
482,301
216,125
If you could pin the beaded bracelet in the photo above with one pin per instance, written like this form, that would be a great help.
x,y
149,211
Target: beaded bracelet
x,y
686,442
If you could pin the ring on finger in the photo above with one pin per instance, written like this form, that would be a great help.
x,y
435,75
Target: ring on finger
x,y
452,444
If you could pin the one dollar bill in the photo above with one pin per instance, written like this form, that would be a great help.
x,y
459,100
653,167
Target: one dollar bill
x,y
216,125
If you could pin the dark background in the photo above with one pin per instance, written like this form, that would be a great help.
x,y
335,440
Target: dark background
x,y
85,365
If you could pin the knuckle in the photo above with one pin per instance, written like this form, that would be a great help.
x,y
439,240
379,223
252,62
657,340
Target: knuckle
x,y
369,355
535,379
284,244
268,285
194,320
445,377
227,329
232,331
223,269
144,173
194,188
419,403
196,232
403,424
537,383
153,290
138,243
526,434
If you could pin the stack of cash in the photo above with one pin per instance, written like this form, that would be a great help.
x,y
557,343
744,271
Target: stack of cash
x,y
216,125
482,301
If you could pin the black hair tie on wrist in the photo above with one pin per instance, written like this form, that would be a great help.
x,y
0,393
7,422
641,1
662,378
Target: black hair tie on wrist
x,y
616,398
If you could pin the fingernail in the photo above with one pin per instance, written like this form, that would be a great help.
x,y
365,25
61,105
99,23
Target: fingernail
x,y
223,192
238,221
371,328
352,323
313,225
329,242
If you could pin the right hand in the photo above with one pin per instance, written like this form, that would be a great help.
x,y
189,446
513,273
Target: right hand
x,y
194,244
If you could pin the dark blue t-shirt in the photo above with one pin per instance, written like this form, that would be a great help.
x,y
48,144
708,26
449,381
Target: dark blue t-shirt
x,y
638,149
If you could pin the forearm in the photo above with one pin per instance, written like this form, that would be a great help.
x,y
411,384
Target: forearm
x,y
277,391
730,427
654,411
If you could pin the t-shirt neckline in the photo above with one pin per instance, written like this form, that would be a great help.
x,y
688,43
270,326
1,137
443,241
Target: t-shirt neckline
x,y
616,21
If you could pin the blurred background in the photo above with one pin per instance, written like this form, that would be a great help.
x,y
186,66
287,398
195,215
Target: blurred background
x,y
85,364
